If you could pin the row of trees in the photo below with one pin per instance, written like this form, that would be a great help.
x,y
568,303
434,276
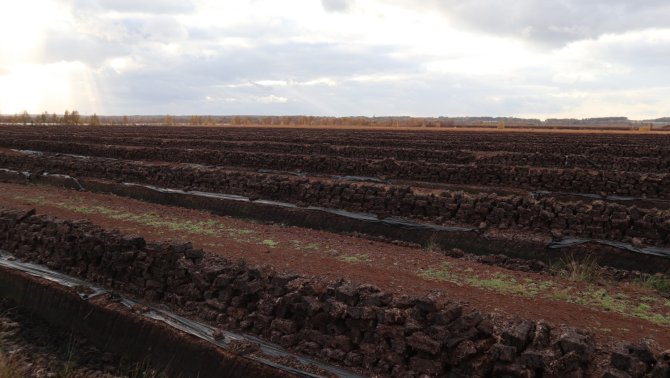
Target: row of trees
x,y
74,118
67,118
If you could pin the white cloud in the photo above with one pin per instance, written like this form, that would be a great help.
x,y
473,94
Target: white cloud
x,y
271,99
123,64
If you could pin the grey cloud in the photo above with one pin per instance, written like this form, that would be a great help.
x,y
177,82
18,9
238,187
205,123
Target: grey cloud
x,y
337,5
291,61
640,53
183,81
554,23
130,36
261,86
419,96
156,89
147,93
164,29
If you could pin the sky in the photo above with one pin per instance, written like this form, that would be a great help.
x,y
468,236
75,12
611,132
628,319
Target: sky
x,y
524,58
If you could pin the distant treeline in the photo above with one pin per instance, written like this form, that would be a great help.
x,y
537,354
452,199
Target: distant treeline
x,y
67,118
74,118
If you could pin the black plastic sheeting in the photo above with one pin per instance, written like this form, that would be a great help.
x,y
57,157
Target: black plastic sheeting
x,y
205,332
542,193
290,173
375,180
29,152
405,224
28,177
80,157
66,178
393,221
25,175
84,289
229,197
277,203
361,179
366,217
571,242
40,153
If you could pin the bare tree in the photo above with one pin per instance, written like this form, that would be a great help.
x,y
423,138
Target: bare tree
x,y
24,117
94,120
75,118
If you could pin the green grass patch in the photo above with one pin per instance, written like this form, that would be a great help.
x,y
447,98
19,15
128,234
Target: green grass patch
x,y
359,258
647,298
440,273
608,302
643,307
645,311
499,282
270,243
297,244
620,303
651,308
39,200
535,288
562,295
505,284
209,227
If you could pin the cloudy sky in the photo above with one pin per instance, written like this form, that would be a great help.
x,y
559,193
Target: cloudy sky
x,y
528,58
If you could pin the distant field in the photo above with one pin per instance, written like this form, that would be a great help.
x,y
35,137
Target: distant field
x,y
472,237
